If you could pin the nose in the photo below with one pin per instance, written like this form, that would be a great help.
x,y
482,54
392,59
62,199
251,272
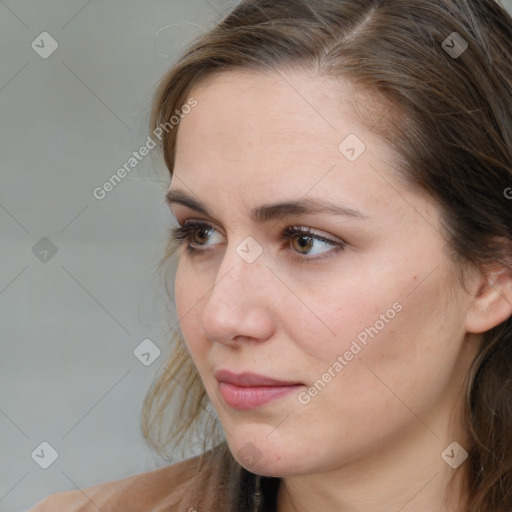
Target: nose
x,y
239,307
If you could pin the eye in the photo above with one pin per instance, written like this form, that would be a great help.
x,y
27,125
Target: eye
x,y
303,241
195,232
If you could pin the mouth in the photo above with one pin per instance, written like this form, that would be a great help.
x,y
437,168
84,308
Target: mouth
x,y
249,390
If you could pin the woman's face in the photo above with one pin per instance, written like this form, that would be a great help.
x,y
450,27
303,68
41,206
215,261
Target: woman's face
x,y
360,320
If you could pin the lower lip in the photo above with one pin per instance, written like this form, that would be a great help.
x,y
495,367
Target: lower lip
x,y
240,397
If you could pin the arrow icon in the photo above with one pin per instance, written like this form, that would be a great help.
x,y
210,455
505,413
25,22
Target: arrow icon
x,y
454,455
44,455
351,147
249,454
247,252
146,352
454,45
44,45
45,249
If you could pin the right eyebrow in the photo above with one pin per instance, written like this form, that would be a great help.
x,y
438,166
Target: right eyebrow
x,y
267,212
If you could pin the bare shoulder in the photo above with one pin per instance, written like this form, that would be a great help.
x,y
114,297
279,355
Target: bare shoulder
x,y
157,490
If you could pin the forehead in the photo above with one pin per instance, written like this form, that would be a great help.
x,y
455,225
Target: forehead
x,y
244,114
253,134
244,105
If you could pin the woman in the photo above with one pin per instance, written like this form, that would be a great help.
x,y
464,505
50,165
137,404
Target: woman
x,y
341,173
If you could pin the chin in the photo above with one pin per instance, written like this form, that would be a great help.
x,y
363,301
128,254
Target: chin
x,y
276,459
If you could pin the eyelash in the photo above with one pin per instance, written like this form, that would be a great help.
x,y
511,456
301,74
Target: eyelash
x,y
183,232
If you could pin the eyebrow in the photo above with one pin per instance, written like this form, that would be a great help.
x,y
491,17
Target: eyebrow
x,y
267,212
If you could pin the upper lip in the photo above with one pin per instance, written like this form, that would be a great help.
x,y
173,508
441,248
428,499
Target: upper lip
x,y
247,379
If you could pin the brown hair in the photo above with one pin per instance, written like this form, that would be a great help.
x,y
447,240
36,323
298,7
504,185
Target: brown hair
x,y
452,129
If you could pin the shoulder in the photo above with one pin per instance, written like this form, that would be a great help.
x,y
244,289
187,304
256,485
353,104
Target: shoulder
x,y
157,490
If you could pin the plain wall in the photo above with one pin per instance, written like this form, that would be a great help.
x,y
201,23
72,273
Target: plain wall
x,y
70,321
79,287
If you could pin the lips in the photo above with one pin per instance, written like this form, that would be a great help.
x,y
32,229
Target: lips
x,y
249,390
248,379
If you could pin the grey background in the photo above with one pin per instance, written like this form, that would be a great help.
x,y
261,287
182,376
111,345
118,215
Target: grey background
x,y
69,325
70,321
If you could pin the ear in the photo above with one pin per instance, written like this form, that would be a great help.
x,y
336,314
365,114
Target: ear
x,y
492,302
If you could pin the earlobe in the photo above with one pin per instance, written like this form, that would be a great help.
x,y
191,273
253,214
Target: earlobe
x,y
492,304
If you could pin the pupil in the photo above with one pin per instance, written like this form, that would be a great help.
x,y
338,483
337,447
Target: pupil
x,y
304,241
203,232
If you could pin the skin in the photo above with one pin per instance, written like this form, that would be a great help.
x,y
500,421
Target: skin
x,y
371,439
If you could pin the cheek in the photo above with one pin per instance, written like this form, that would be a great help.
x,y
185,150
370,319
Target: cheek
x,y
395,348
367,317
188,292
347,319
182,288
190,288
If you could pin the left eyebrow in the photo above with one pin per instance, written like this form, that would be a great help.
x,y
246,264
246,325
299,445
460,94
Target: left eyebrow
x,y
267,212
